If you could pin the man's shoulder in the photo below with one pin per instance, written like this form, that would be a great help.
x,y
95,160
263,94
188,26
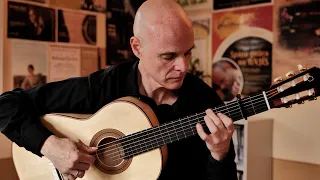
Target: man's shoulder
x,y
121,69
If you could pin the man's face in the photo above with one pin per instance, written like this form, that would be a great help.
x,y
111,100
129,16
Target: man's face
x,y
223,77
32,16
166,56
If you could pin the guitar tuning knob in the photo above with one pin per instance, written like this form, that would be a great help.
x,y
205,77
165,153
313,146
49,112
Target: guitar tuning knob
x,y
278,79
290,74
301,68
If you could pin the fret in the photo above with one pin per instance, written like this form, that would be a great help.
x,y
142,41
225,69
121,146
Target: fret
x,y
165,125
240,110
252,105
190,124
183,127
175,131
228,110
160,134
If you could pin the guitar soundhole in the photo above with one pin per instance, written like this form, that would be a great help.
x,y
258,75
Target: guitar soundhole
x,y
110,154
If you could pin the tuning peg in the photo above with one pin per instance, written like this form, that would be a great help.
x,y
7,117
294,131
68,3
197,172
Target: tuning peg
x,y
301,68
290,74
278,79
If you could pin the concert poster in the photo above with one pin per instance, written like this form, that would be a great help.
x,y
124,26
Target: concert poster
x,y
297,36
89,60
77,27
224,4
190,5
241,52
120,18
64,62
29,67
200,64
27,21
94,5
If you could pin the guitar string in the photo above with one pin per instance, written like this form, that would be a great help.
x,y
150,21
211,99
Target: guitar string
x,y
176,130
119,154
180,131
191,116
229,110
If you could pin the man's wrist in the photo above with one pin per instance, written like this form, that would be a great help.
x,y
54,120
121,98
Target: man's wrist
x,y
47,144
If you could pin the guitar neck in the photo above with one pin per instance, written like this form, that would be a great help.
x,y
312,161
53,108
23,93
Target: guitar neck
x,y
182,128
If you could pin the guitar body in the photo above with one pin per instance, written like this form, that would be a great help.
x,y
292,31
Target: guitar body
x,y
121,117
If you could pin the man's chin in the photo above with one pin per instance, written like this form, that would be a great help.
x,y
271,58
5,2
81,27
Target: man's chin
x,y
174,84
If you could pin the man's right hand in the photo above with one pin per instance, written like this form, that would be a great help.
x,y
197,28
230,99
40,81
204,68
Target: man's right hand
x,y
72,159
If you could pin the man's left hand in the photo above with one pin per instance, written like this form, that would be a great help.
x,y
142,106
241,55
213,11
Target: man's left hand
x,y
221,128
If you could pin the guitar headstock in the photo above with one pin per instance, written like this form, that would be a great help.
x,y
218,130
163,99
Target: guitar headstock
x,y
298,86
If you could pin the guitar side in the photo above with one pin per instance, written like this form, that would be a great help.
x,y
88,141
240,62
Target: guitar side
x,y
126,115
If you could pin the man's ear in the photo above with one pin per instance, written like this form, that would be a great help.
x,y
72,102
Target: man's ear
x,y
135,46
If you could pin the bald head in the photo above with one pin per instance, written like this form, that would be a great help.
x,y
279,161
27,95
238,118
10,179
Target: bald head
x,y
156,17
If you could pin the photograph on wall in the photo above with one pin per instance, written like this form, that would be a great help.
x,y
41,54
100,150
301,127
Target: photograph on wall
x,y
224,4
64,62
120,18
190,5
26,21
94,5
297,36
29,67
201,53
241,52
77,27
89,60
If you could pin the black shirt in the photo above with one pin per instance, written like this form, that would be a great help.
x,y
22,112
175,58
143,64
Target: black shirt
x,y
187,159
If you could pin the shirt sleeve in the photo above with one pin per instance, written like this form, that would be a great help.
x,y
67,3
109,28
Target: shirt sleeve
x,y
20,110
225,169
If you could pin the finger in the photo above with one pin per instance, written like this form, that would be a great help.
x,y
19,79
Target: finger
x,y
81,174
82,166
211,126
86,148
216,120
69,177
86,158
74,173
228,123
201,132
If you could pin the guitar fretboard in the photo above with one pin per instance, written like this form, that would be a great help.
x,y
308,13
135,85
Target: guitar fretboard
x,y
183,128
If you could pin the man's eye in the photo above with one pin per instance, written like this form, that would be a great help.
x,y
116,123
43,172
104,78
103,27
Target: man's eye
x,y
168,57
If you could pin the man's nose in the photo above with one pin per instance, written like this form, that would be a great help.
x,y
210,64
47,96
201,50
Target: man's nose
x,y
182,64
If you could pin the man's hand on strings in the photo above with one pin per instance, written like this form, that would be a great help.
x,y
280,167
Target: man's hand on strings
x,y
72,159
221,128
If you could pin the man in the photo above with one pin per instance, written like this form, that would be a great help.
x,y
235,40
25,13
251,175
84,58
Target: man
x,y
226,78
163,39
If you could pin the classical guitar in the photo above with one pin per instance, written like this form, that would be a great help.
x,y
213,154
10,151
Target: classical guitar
x,y
136,149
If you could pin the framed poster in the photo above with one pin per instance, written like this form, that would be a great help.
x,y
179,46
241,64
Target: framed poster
x,y
191,5
29,67
297,36
77,27
27,21
94,5
242,51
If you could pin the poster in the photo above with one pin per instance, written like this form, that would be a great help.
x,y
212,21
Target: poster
x,y
26,21
224,4
65,62
29,67
77,27
89,60
297,36
196,4
242,52
120,18
201,53
94,5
